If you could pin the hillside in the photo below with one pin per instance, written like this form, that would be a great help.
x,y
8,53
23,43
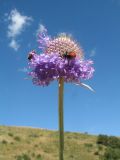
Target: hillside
x,y
20,143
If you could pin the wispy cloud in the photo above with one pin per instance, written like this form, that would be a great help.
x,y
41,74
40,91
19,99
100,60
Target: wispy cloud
x,y
17,23
14,44
93,52
41,28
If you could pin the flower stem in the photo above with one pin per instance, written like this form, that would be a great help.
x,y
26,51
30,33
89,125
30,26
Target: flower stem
x,y
61,123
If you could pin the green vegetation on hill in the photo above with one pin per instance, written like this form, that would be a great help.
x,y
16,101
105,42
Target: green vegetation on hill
x,y
112,147
20,143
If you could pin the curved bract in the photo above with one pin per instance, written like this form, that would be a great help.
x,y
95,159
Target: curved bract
x,y
61,58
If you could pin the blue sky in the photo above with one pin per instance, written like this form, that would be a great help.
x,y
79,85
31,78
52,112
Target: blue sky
x,y
96,25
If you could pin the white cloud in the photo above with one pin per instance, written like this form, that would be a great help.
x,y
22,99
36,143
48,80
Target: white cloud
x,y
13,44
17,24
93,52
41,28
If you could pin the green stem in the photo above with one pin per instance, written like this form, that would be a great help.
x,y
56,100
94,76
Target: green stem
x,y
61,123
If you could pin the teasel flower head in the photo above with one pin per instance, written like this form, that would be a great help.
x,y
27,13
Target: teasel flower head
x,y
64,44
61,57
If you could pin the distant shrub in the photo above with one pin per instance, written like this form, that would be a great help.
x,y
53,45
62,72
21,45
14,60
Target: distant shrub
x,y
10,134
17,138
114,142
102,139
34,135
12,143
96,153
23,157
35,145
39,157
71,156
4,142
33,154
110,141
88,145
46,151
111,154
100,147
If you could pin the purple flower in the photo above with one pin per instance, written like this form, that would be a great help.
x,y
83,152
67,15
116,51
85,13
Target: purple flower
x,y
61,57
48,67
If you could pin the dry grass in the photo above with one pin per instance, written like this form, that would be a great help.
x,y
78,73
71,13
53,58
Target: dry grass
x,y
40,144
